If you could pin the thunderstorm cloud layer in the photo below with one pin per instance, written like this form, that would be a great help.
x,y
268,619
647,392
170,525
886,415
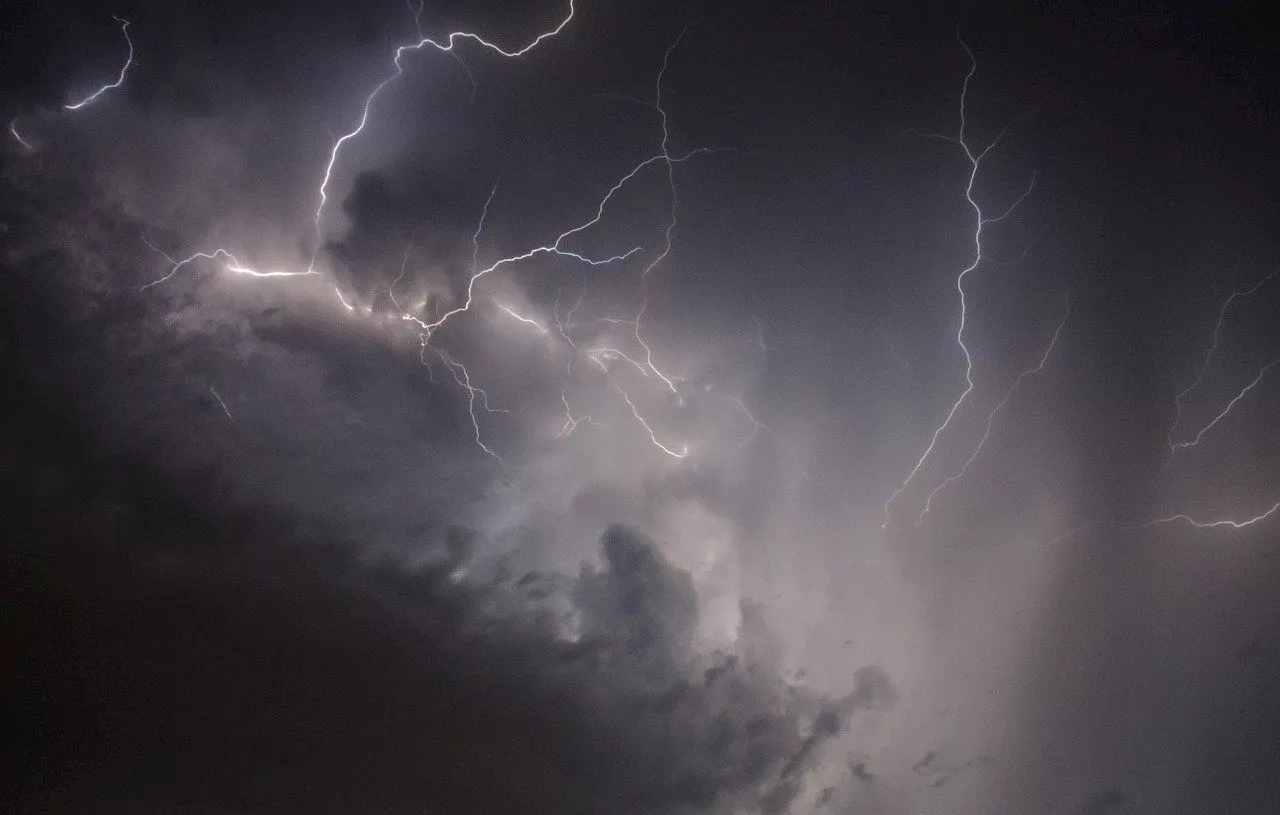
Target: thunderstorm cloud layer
x,y
640,407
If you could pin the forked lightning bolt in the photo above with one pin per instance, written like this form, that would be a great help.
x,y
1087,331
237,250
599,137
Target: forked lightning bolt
x,y
1175,447
447,46
124,69
1183,445
463,378
1032,371
429,327
646,366
1204,367
232,265
982,220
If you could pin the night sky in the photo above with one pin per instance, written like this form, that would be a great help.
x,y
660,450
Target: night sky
x,y
704,407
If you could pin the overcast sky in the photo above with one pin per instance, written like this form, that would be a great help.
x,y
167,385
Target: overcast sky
x,y
627,407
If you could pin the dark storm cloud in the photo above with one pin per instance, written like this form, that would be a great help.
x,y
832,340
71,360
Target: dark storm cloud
x,y
239,630
208,658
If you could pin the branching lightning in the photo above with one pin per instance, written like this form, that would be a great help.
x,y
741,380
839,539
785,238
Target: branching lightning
x,y
232,265
447,46
74,106
1176,446
982,220
1204,367
463,378
1029,372
124,70
1183,445
430,322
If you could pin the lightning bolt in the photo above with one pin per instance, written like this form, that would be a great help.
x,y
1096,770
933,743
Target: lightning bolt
x,y
684,448
463,378
429,327
225,409
446,46
666,161
124,69
1029,372
1188,444
537,326
1183,445
571,422
1175,446
1204,367
982,220
1215,524
232,265
13,131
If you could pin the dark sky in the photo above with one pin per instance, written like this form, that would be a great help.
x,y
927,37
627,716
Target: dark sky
x,y
753,528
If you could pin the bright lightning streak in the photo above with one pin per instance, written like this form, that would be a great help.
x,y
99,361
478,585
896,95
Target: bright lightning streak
x,y
463,378
1174,447
225,409
571,422
560,246
539,327
671,223
667,161
684,448
1032,371
13,131
1215,524
1183,445
233,265
446,46
1204,367
124,29
982,220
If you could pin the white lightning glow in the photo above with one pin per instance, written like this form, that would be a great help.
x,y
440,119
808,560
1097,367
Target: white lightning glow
x,y
463,378
653,437
1183,445
600,356
1176,446
999,406
982,220
217,396
446,45
232,265
1226,522
124,70
537,326
13,131
640,358
1204,367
